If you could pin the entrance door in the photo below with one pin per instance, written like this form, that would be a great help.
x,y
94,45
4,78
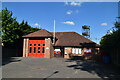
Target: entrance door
x,y
36,48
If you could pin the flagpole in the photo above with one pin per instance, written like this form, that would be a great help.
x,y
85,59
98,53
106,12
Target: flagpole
x,y
54,33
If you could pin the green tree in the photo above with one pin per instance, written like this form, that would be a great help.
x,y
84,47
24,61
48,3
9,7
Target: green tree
x,y
26,29
9,27
117,24
12,31
110,41
0,25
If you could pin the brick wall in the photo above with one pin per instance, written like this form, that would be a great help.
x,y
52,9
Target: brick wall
x,y
48,48
69,54
68,51
25,47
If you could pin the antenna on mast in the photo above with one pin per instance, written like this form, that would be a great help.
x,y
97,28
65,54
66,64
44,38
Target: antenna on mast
x,y
54,33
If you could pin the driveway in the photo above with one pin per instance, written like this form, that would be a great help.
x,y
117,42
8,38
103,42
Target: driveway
x,y
34,67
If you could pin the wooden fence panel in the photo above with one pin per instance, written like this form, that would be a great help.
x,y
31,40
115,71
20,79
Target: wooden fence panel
x,y
11,52
115,56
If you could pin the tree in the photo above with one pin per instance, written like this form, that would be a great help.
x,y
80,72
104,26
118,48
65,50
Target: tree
x,y
110,41
9,27
0,26
12,31
26,29
117,25
111,44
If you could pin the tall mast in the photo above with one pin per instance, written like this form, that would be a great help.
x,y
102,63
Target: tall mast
x,y
54,33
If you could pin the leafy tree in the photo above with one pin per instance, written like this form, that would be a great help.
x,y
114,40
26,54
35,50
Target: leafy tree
x,y
0,26
117,25
111,41
111,44
26,29
9,27
12,31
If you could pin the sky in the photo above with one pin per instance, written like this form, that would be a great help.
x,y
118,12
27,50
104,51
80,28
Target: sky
x,y
69,16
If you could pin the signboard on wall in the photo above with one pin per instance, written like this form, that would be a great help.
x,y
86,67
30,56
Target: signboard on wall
x,y
87,51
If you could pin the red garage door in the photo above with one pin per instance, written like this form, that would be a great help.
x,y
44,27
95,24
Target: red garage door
x,y
36,48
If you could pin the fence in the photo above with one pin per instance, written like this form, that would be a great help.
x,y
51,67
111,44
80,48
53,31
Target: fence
x,y
115,56
11,52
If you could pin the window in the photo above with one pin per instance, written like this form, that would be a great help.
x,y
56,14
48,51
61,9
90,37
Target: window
x,y
66,51
76,51
73,50
42,49
30,51
34,44
38,49
43,44
30,44
34,49
38,44
80,52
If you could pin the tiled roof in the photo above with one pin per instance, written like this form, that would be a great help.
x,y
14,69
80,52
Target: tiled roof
x,y
40,33
62,38
70,39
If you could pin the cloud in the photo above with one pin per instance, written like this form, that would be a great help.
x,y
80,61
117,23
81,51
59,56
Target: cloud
x,y
69,12
109,31
73,3
66,3
104,24
69,22
36,24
